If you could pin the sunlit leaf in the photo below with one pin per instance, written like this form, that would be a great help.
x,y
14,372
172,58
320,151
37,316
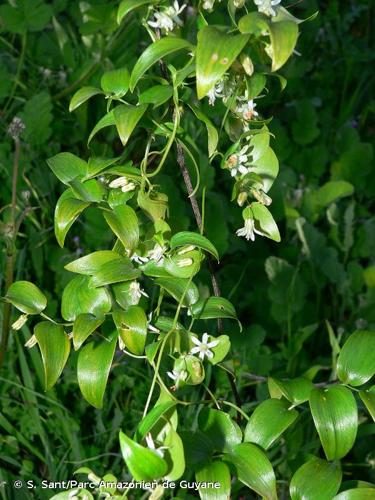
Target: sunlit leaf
x,y
67,210
180,289
93,262
187,238
316,480
84,326
132,328
356,361
124,223
217,425
210,473
115,82
126,118
26,297
67,166
82,95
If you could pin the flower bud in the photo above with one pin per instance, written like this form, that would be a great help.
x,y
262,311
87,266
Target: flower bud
x,y
17,325
241,198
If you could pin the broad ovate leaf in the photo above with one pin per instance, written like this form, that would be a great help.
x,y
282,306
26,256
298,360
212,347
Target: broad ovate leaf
x,y
54,346
106,121
67,166
143,463
26,297
269,420
174,455
153,418
217,425
254,469
124,223
283,36
295,390
115,271
67,210
317,479
82,95
182,290
93,367
126,118
212,472
356,494
212,308
91,263
368,398
216,52
115,82
188,238
335,415
84,325
132,328
264,221
127,6
356,361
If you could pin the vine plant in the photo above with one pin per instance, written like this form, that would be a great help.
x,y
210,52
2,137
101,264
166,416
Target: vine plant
x,y
121,298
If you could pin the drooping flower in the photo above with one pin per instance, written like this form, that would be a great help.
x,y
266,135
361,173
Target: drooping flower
x,y
168,17
17,325
151,445
208,4
216,92
136,292
123,183
237,162
31,342
267,6
247,110
203,347
249,231
178,376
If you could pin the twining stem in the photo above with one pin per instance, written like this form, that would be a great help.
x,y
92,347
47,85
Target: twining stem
x,y
11,252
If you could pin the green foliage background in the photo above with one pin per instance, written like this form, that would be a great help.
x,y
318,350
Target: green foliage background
x,y
298,300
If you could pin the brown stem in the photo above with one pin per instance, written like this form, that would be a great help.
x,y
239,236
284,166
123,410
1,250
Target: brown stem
x,y
11,253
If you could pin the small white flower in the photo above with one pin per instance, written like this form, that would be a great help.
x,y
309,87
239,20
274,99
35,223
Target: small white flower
x,y
151,445
217,91
237,162
17,325
138,259
208,4
31,342
178,376
185,262
249,231
267,6
167,18
136,292
123,183
203,347
247,110
157,253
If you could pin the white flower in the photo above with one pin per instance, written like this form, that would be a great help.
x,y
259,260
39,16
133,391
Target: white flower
x,y
136,292
237,162
185,262
151,445
247,110
123,183
17,325
157,253
208,4
31,342
249,231
178,376
203,348
267,6
138,259
167,18
217,91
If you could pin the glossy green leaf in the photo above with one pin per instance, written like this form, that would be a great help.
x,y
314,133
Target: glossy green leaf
x,y
97,164
93,367
154,204
183,265
213,307
126,6
187,238
217,425
92,263
174,455
115,271
296,390
126,119
124,223
54,346
82,95
153,418
284,36
356,361
213,136
213,472
220,350
356,494
67,166
90,190
269,420
253,23
67,210
115,82
143,463
216,52
79,298
316,480
178,288
132,328
335,415
84,326
254,469
106,121
154,53
368,398
26,297
265,222
156,95
265,162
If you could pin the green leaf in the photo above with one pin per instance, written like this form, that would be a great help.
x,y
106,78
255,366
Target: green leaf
x,y
156,95
213,136
212,308
356,361
335,415
356,494
26,297
332,191
265,221
153,418
25,15
82,95
126,118
84,326
79,298
67,211
132,328
269,420
91,190
368,398
178,288
211,473
296,390
106,121
115,271
174,455
216,52
97,164
144,464
93,366
265,161
254,23
197,240
284,36
154,53
92,263
67,166
54,346
220,350
124,223
115,82
316,480
222,431
254,469
126,6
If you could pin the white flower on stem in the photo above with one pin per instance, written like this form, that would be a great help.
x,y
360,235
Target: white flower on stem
x,y
136,292
138,259
31,342
185,262
157,253
203,347
247,110
178,376
267,6
151,445
208,4
216,92
249,231
17,325
150,327
237,162
167,18
123,183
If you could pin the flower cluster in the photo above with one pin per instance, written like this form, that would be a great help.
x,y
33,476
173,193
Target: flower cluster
x,y
267,7
167,18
